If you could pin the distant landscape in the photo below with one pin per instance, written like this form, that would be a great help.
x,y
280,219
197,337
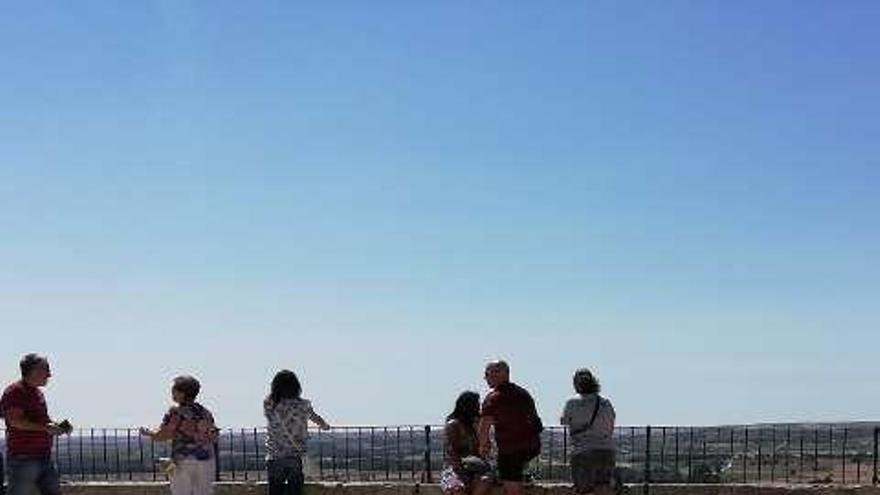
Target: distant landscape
x,y
767,453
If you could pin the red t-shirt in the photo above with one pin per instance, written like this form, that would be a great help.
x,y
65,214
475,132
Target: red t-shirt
x,y
517,424
29,399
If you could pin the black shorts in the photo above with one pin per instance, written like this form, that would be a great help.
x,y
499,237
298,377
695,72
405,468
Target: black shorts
x,y
511,466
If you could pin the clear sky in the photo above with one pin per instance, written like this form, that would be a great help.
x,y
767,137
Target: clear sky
x,y
381,196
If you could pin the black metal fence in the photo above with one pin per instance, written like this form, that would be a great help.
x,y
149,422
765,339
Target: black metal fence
x,y
786,453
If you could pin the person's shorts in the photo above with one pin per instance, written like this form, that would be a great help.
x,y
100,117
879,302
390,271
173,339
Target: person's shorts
x,y
511,466
591,469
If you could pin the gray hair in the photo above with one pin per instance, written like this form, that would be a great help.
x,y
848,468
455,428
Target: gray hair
x,y
585,382
498,364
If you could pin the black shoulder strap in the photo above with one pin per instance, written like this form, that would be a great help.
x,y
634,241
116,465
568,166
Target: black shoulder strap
x,y
592,418
595,411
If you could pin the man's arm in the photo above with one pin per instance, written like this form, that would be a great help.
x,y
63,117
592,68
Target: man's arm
x,y
486,423
15,418
488,410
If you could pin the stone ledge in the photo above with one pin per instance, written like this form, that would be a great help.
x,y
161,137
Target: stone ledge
x,y
380,488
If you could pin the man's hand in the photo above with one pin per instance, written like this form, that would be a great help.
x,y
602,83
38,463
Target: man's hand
x,y
66,427
55,430
143,430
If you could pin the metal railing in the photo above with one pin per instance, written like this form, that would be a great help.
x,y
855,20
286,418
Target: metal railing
x,y
780,453
786,453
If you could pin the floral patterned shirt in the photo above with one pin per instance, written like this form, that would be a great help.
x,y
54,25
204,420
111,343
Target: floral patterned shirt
x,y
287,427
194,431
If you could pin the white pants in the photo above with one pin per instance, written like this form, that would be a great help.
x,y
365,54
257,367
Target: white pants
x,y
193,477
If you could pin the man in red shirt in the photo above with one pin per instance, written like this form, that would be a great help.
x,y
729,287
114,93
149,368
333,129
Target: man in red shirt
x,y
29,431
510,409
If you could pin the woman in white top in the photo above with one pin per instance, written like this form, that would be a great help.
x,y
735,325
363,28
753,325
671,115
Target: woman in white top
x,y
287,417
590,420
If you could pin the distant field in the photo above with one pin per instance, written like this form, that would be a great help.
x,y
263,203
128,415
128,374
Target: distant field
x,y
770,453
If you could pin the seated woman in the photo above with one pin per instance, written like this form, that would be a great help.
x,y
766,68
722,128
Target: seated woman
x,y
463,472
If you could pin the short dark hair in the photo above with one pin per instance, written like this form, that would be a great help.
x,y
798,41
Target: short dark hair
x,y
585,382
188,386
31,361
500,365
285,385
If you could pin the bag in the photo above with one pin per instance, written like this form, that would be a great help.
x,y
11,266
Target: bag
x,y
474,465
166,465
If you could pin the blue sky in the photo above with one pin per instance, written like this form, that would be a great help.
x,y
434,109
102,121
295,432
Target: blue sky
x,y
384,195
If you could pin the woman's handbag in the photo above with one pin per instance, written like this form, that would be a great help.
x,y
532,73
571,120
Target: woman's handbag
x,y
475,466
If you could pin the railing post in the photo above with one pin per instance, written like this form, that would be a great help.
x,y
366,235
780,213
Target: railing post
x,y
428,474
760,453
843,451
320,456
217,459
875,480
746,455
647,457
2,475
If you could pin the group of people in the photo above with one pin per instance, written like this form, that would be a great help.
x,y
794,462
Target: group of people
x,y
188,425
508,411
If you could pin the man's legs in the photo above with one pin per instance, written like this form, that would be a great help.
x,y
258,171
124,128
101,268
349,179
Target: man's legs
x,y
24,474
49,481
510,472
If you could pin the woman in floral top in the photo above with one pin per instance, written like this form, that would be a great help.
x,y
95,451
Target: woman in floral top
x,y
287,415
190,427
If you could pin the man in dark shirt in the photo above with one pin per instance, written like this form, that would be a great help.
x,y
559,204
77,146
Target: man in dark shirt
x,y
29,431
511,411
